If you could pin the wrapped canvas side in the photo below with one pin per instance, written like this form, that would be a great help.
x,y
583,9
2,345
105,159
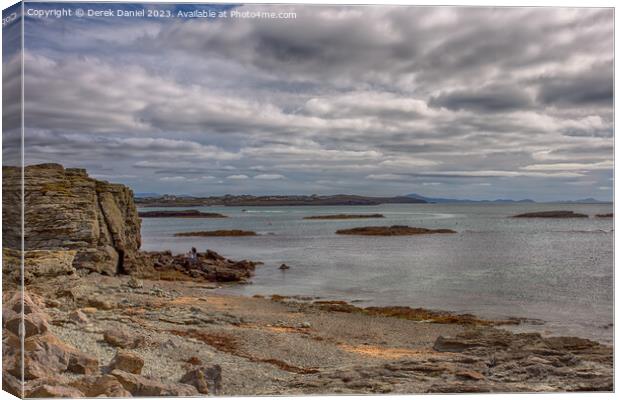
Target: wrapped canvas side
x,y
12,202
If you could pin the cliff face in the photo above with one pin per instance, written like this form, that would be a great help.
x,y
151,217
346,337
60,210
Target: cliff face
x,y
96,222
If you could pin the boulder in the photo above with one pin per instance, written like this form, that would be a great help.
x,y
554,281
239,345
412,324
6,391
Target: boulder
x,y
122,339
54,391
34,324
100,385
127,361
139,385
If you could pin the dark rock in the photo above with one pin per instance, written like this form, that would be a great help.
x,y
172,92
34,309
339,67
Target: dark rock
x,y
551,214
394,230
179,214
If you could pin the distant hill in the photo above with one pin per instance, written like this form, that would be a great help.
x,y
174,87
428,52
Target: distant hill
x,y
290,200
440,200
445,200
589,200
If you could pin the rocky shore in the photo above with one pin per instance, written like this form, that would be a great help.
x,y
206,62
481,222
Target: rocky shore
x,y
179,214
103,318
121,336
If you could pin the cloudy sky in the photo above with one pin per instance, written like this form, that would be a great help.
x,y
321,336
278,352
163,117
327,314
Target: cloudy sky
x,y
456,102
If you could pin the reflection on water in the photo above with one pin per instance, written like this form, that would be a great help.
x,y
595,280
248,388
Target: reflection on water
x,y
557,270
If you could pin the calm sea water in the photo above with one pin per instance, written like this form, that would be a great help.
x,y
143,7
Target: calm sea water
x,y
559,271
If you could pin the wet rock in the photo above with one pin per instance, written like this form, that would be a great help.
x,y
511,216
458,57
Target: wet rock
x,y
143,386
284,266
205,379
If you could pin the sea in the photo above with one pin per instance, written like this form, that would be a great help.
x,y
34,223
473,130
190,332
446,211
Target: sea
x,y
556,274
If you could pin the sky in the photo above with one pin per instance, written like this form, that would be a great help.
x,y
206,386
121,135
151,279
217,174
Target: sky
x,y
478,103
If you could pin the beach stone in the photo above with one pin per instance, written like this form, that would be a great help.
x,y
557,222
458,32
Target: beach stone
x,y
127,361
205,379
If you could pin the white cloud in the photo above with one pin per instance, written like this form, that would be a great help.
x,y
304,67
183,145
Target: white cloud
x,y
269,177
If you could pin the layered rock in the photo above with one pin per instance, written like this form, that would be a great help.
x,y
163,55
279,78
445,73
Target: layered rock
x,y
66,210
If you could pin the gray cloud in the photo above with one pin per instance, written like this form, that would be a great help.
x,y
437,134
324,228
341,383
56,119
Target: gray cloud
x,y
379,100
591,87
492,98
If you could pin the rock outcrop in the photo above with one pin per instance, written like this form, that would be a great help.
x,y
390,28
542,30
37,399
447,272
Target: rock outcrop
x,y
179,214
394,230
551,214
69,215
208,266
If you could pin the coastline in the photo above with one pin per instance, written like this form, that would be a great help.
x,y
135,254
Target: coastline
x,y
287,345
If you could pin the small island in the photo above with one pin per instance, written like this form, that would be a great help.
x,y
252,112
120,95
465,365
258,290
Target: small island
x,y
221,233
610,215
551,214
394,230
345,216
179,214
